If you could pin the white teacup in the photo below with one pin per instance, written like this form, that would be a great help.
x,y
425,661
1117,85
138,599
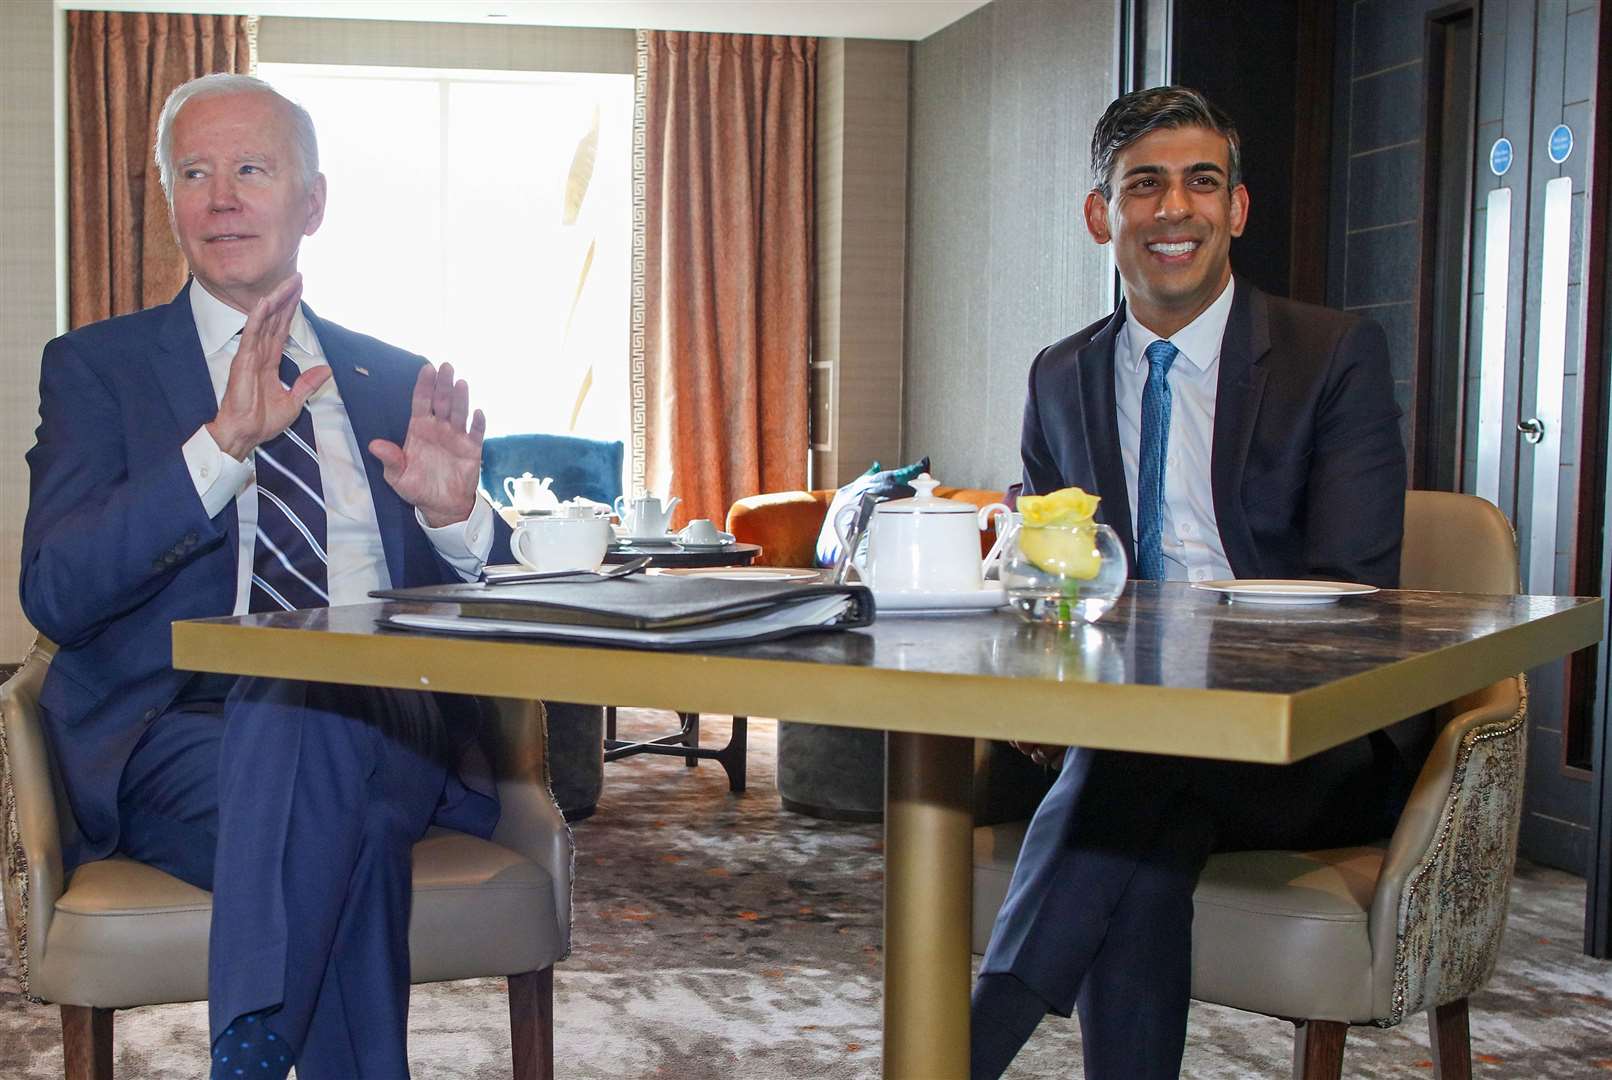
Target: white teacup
x,y
561,542
700,531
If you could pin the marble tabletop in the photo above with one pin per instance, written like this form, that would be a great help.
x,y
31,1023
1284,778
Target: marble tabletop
x,y
1169,669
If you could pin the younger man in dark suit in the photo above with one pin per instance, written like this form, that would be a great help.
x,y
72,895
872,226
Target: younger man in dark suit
x,y
1230,434
231,452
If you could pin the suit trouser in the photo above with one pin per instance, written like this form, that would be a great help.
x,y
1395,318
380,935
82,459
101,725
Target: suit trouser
x,y
297,805
1098,915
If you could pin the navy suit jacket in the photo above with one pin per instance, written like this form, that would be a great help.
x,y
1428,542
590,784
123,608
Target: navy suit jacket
x,y
1308,468
117,545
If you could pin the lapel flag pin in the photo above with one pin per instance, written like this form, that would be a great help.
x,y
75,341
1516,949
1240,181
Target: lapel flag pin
x,y
361,370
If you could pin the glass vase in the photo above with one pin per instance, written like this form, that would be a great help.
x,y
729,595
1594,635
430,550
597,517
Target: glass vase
x,y
1064,574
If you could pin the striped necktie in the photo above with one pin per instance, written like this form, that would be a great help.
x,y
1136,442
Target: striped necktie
x,y
289,561
1150,479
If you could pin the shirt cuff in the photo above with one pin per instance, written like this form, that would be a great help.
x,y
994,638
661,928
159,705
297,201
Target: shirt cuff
x,y
464,545
217,476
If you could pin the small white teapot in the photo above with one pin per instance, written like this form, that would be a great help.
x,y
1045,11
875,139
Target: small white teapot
x,y
529,495
645,515
923,544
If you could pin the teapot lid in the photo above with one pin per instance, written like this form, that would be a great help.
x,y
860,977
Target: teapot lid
x,y
926,501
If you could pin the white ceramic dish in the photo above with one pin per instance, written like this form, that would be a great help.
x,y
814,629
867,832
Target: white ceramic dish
x,y
914,603
745,573
726,540
1284,591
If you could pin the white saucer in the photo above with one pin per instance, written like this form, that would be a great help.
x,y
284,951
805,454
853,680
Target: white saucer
x,y
663,538
746,573
914,603
718,545
1283,591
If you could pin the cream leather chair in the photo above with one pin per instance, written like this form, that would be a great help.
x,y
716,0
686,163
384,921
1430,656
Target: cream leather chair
x,y
116,933
1370,934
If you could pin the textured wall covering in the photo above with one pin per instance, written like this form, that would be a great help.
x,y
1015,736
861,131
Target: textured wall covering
x,y
444,45
28,301
999,264
861,228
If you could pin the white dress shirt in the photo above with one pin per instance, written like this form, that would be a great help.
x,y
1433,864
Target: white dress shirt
x,y
353,537
1191,536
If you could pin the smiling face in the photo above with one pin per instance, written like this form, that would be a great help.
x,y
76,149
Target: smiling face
x,y
240,206
1171,219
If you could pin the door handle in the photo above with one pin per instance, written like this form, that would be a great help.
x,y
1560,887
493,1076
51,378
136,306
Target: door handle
x,y
1532,429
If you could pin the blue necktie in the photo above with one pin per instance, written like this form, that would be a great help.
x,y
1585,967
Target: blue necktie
x,y
289,561
1150,479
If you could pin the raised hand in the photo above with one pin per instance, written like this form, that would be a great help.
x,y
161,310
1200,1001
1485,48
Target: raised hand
x,y
255,406
437,467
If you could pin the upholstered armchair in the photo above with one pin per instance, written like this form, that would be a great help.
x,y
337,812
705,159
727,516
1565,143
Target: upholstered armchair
x,y
116,934
1376,933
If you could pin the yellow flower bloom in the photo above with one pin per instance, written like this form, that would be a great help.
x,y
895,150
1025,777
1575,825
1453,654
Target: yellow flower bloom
x,y
1067,550
1066,506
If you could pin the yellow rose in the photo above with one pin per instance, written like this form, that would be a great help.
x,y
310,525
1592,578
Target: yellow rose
x,y
1066,506
1067,550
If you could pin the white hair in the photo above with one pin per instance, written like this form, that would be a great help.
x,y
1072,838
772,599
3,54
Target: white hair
x,y
302,133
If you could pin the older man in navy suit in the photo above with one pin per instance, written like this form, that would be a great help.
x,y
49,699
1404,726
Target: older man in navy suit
x,y
231,452
1230,434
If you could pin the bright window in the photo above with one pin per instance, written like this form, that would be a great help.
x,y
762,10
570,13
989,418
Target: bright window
x,y
464,223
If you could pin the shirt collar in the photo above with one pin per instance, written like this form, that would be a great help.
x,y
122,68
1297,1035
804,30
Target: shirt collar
x,y
217,322
1198,341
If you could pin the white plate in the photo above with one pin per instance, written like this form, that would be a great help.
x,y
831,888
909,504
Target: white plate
x,y
746,573
1281,591
984,599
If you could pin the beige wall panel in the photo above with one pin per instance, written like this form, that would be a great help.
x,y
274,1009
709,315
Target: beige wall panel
x,y
444,45
873,255
828,222
28,277
861,252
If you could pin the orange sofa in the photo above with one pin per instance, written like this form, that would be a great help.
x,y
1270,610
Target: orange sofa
x,y
786,523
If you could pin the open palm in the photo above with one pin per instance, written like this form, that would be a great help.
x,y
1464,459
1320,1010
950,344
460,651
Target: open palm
x,y
437,467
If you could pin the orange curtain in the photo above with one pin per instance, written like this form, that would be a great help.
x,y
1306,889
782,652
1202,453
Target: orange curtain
x,y
121,67
722,330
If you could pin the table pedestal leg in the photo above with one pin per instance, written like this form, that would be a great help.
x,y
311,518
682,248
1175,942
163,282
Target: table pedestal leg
x,y
928,893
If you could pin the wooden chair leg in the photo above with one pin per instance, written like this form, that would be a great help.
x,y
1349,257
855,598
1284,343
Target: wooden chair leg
x,y
87,1042
1318,1049
531,1024
1452,1041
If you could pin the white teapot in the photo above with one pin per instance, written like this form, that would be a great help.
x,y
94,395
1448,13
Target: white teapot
x,y
923,544
529,495
645,515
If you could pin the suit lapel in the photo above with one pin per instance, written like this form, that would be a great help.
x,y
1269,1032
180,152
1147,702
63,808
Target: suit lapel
x,y
1237,398
366,411
179,369
1095,370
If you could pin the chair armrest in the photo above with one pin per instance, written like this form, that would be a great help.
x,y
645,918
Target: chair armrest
x,y
529,820
30,831
1441,897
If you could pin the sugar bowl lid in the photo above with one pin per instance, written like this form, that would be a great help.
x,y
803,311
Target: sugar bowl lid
x,y
925,501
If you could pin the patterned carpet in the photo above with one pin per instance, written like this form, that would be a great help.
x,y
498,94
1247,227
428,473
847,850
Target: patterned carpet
x,y
717,936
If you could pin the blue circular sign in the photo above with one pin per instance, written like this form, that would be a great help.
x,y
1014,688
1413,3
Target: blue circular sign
x,y
1561,143
1500,157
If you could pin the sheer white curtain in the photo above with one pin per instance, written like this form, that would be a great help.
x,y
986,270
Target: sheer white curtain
x,y
461,220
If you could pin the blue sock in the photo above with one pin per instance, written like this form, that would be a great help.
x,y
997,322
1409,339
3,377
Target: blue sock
x,y
249,1050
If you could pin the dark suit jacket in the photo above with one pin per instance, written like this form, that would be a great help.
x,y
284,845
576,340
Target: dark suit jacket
x,y
117,546
1307,470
